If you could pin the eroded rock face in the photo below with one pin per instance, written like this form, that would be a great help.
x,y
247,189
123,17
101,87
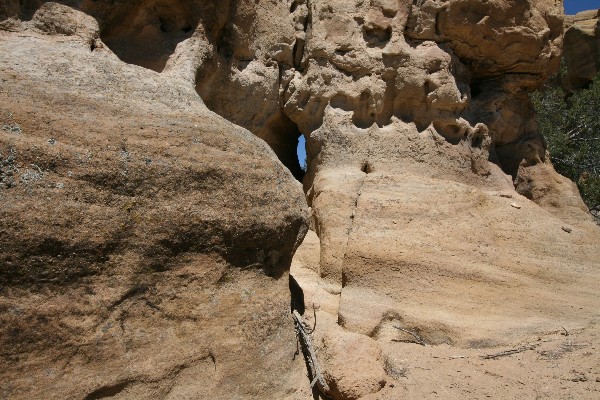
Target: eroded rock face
x,y
432,195
424,186
448,65
581,49
426,172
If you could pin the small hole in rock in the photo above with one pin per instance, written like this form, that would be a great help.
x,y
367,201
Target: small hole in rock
x,y
475,90
367,168
28,8
429,87
342,51
163,25
452,133
377,36
477,141
389,13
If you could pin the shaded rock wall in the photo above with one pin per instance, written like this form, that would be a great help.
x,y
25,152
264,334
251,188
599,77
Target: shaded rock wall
x,y
581,49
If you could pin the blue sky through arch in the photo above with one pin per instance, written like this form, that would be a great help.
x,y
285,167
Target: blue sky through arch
x,y
301,150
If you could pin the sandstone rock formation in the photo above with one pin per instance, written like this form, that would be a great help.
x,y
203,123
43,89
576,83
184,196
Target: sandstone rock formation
x,y
437,209
159,235
145,241
581,49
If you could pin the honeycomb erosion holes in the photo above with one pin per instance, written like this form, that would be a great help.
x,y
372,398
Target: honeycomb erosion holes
x,y
268,85
278,87
278,83
244,79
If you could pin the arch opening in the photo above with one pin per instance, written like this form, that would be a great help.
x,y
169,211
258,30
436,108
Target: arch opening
x,y
222,85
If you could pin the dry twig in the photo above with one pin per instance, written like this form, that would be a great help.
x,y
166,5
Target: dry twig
x,y
507,352
304,337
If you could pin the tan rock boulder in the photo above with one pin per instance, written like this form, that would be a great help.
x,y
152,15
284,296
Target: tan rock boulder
x,y
397,217
57,19
353,364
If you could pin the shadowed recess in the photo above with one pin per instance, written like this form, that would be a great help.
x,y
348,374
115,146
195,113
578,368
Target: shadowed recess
x,y
148,33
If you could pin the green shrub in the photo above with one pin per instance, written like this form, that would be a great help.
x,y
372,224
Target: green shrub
x,y
571,127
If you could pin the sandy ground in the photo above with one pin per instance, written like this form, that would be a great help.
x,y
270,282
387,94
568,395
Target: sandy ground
x,y
559,364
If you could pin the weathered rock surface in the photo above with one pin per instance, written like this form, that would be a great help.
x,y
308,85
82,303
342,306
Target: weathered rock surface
x,y
433,197
435,206
581,49
558,363
144,240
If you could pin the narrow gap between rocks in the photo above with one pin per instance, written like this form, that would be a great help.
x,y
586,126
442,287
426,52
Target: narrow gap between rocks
x,y
296,296
28,9
276,128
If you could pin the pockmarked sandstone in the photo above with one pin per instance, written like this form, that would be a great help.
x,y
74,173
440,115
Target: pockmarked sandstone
x,y
147,230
